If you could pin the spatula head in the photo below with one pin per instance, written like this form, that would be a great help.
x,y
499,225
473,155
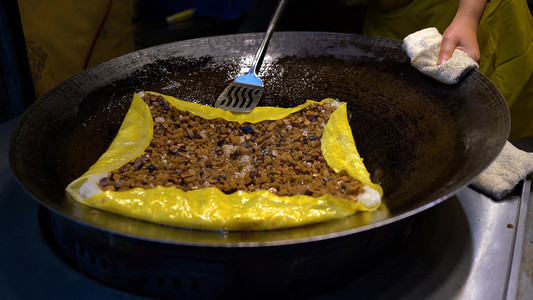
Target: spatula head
x,y
240,97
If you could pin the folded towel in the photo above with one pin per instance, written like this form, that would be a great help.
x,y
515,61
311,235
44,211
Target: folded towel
x,y
512,165
423,48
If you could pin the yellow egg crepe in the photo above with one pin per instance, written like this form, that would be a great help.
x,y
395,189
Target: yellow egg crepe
x,y
209,208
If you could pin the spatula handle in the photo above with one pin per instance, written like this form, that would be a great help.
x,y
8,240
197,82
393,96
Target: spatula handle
x,y
258,60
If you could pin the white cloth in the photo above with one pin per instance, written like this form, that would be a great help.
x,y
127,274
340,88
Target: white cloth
x,y
423,47
512,165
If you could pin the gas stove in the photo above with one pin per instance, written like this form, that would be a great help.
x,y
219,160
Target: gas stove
x,y
468,247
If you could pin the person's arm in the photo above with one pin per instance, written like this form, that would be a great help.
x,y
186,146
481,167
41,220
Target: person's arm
x,y
462,32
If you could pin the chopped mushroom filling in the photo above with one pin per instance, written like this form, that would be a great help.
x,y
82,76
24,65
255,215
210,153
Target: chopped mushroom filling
x,y
189,152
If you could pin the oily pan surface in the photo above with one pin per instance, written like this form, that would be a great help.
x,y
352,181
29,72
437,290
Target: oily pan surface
x,y
420,139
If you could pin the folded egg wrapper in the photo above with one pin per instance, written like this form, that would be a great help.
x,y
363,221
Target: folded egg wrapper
x,y
206,207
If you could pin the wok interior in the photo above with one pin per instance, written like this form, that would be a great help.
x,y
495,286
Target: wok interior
x,y
422,140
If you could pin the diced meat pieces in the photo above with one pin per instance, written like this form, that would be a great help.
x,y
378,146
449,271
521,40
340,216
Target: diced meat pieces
x,y
189,152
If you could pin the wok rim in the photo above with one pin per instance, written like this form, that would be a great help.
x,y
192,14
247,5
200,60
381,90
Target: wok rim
x,y
246,244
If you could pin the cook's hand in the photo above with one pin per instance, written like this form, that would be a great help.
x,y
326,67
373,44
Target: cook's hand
x,y
460,37
462,32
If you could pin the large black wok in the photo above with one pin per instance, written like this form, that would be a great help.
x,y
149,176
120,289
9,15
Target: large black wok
x,y
422,140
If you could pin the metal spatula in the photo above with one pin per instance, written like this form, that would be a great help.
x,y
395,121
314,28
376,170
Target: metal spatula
x,y
243,94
